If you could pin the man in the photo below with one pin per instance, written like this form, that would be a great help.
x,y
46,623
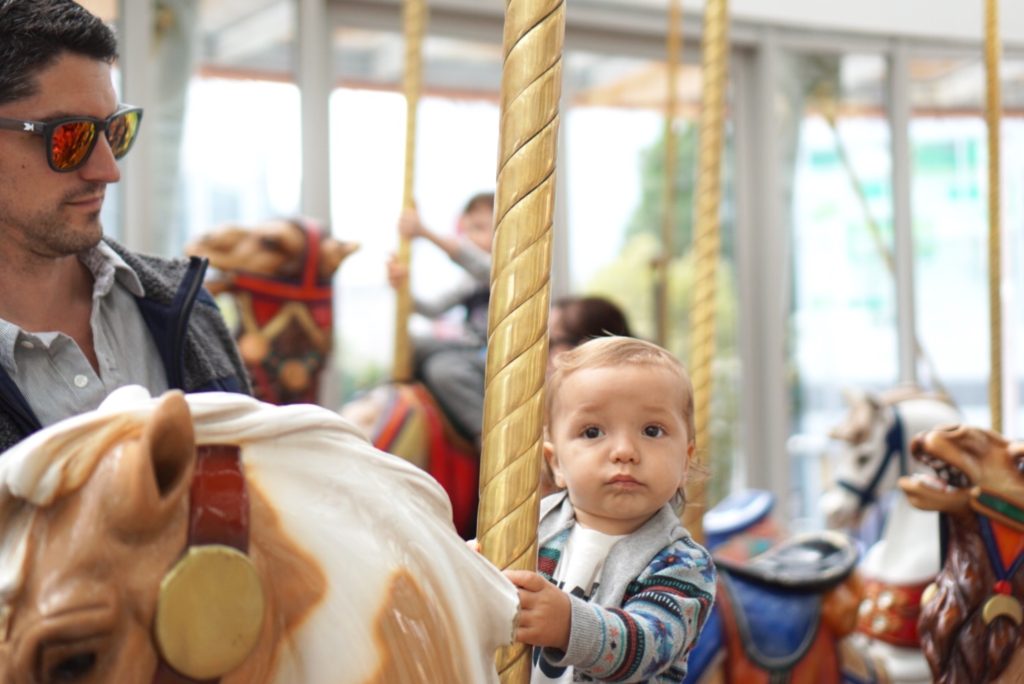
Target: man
x,y
79,314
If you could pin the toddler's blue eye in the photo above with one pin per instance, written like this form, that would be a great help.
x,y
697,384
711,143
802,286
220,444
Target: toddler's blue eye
x,y
592,432
653,431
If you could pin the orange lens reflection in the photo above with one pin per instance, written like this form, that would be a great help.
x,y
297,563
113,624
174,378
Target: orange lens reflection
x,y
121,133
71,143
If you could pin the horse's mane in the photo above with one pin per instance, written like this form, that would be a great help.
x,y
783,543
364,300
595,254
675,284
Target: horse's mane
x,y
958,644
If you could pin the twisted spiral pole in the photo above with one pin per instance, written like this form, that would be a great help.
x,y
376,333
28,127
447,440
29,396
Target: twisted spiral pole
x,y
414,20
517,346
993,109
715,47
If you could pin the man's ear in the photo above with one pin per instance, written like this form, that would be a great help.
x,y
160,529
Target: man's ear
x,y
552,460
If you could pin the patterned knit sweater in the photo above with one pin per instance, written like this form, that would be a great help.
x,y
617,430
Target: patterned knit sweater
x,y
656,590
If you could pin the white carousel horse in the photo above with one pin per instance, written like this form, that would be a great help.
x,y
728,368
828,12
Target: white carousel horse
x,y
217,538
897,568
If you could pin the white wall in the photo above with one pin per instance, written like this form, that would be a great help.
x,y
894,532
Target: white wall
x,y
949,19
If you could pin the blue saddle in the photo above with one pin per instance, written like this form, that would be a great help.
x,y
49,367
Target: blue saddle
x,y
776,601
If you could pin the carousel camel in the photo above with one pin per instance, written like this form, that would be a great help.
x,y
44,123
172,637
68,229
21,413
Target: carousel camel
x,y
215,538
971,623
278,274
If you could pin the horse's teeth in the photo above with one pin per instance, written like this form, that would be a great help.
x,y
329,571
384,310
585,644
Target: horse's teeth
x,y
931,482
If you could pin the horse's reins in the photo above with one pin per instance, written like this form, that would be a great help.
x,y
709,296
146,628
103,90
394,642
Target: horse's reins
x,y
894,446
210,609
997,518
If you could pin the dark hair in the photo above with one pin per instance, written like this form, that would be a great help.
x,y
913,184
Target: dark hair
x,y
34,33
481,199
587,317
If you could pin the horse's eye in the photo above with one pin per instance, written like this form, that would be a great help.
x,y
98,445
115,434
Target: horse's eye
x,y
863,460
63,663
1020,465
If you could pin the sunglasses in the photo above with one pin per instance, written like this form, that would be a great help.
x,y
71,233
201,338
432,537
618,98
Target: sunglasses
x,y
70,141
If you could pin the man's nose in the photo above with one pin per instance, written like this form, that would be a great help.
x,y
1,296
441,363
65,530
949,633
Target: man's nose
x,y
101,167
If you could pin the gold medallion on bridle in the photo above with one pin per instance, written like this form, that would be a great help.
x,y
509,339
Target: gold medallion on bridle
x,y
1002,605
210,611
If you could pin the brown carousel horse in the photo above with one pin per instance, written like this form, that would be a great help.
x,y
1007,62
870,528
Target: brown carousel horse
x,y
278,277
278,274
971,623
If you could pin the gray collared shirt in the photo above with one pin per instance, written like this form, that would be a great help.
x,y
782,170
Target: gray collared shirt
x,y
52,372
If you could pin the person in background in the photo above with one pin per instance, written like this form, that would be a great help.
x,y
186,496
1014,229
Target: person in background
x,y
622,591
81,315
453,369
574,320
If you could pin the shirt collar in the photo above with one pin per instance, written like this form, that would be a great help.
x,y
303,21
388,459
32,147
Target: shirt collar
x,y
106,265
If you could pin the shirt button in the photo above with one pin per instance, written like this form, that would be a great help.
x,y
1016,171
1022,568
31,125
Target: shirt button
x,y
81,381
27,344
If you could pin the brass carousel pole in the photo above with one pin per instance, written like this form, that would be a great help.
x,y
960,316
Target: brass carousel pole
x,y
517,346
414,21
706,242
992,115
661,297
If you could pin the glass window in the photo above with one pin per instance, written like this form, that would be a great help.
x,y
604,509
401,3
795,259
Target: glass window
x,y
836,149
615,164
950,209
456,157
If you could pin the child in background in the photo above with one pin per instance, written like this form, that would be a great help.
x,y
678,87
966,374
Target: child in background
x,y
453,369
622,590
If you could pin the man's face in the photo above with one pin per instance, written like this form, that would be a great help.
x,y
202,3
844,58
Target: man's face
x,y
42,212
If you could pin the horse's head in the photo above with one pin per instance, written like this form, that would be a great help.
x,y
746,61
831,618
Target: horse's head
x,y
276,248
873,441
104,515
279,277
969,467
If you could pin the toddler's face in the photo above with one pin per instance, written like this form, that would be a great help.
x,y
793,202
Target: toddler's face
x,y
620,444
478,226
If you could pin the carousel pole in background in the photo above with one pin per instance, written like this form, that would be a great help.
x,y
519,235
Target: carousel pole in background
x,y
674,54
992,114
517,345
715,46
414,21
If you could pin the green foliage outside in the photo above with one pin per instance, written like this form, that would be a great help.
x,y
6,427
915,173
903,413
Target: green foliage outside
x,y
629,281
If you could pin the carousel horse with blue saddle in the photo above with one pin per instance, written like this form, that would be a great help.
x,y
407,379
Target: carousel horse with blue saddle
x,y
784,606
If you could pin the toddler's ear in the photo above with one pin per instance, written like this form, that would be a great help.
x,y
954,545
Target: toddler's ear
x,y
552,461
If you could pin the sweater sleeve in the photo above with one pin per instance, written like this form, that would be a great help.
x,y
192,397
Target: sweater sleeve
x,y
650,637
475,261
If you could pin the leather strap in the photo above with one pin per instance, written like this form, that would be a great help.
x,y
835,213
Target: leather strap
x,y
218,514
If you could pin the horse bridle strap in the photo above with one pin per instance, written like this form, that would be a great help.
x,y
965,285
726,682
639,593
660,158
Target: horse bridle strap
x,y
210,610
894,446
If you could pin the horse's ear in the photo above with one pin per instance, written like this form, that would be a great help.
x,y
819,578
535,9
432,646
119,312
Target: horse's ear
x,y
155,472
332,253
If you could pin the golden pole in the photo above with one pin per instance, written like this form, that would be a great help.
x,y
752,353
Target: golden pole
x,y
675,47
517,347
414,23
706,242
992,115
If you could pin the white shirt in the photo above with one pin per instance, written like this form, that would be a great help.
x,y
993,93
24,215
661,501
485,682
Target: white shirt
x,y
52,372
578,571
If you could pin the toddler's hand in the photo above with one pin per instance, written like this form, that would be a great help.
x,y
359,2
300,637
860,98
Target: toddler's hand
x,y
545,611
